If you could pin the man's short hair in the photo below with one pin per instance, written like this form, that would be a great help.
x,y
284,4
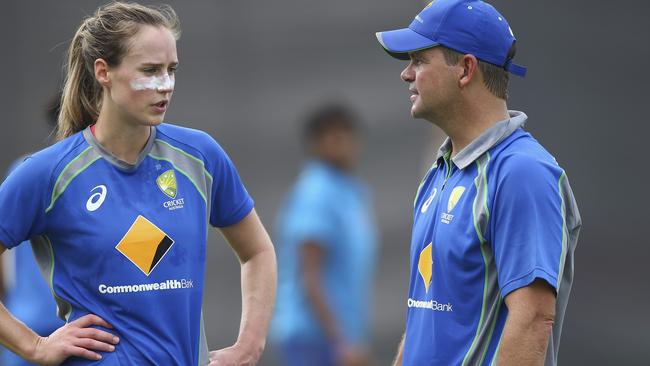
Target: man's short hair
x,y
327,118
495,78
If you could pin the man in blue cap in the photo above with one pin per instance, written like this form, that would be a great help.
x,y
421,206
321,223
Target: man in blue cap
x,y
495,221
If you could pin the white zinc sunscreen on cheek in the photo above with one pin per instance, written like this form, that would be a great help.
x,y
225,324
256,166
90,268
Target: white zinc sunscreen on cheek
x,y
158,83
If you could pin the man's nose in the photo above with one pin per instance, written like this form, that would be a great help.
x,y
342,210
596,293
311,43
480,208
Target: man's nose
x,y
407,73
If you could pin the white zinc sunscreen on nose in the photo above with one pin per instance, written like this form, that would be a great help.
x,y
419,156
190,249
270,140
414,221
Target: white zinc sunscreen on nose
x,y
158,83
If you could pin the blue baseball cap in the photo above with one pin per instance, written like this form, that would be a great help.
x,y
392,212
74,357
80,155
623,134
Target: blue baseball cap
x,y
468,26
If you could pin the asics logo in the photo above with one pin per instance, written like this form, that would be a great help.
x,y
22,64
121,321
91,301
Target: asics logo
x,y
96,199
425,205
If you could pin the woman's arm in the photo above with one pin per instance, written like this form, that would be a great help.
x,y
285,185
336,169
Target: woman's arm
x,y
253,247
73,339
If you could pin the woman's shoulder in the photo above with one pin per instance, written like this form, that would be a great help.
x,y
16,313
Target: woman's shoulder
x,y
189,140
44,166
57,156
180,132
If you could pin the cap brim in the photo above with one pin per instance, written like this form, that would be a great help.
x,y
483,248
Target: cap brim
x,y
398,43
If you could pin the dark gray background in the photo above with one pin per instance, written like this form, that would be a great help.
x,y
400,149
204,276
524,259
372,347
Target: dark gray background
x,y
250,70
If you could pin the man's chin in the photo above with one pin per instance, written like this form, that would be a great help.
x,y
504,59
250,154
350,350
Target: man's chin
x,y
419,114
415,112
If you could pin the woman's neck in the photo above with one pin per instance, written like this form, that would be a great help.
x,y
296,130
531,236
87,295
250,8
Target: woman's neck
x,y
124,139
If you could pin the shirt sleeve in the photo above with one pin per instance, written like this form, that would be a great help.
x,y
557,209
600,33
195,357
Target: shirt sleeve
x,y
23,202
311,218
526,231
230,202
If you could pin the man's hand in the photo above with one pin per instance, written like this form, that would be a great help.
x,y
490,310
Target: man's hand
x,y
232,356
352,356
400,352
74,339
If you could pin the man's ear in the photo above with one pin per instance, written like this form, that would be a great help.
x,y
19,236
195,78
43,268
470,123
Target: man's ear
x,y
469,65
101,72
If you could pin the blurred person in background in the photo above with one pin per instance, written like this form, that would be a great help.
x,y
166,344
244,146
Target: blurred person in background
x,y
26,294
118,211
495,221
327,245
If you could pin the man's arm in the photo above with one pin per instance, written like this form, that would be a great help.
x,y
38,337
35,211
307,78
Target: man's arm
x,y
253,247
2,276
400,351
531,313
312,257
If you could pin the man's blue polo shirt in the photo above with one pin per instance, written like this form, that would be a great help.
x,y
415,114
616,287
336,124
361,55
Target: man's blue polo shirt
x,y
488,221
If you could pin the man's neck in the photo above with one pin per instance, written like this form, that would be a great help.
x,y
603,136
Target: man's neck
x,y
341,166
468,122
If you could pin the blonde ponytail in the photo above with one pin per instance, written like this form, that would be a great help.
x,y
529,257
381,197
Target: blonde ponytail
x,y
80,100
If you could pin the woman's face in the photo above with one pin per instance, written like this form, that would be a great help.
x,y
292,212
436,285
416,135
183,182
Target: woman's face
x,y
141,86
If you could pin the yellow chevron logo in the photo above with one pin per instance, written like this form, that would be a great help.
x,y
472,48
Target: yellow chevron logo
x,y
144,244
425,266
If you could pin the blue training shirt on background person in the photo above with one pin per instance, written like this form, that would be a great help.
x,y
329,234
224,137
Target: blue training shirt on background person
x,y
28,298
332,208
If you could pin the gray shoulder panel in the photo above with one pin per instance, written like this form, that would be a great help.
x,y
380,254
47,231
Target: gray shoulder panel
x,y
571,230
44,255
492,300
204,354
77,165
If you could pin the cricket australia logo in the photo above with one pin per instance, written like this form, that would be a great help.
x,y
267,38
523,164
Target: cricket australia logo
x,y
454,197
167,184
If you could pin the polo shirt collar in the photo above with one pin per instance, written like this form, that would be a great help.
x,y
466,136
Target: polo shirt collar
x,y
488,139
